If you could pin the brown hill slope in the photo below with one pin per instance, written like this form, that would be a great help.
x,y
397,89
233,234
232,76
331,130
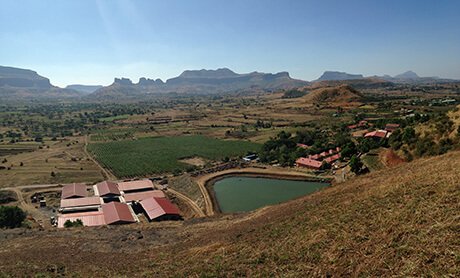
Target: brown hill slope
x,y
401,221
338,94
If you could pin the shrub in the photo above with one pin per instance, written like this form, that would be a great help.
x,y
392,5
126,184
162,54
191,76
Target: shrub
x,y
11,217
76,223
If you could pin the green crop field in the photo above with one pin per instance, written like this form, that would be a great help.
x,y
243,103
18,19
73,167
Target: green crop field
x,y
153,155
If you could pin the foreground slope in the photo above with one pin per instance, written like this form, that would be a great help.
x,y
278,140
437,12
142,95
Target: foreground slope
x,y
401,221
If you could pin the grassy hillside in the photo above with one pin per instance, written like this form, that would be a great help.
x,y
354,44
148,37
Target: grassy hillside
x,y
401,221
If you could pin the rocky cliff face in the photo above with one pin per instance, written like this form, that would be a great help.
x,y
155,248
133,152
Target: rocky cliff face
x,y
22,78
337,75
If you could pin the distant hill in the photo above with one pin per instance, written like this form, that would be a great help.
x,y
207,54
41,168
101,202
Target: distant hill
x,y
26,85
86,89
201,82
338,94
337,75
22,78
412,77
407,75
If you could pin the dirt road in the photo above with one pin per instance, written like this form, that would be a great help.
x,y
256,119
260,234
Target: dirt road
x,y
107,174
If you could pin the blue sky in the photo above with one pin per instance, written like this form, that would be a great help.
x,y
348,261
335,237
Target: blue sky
x,y
91,42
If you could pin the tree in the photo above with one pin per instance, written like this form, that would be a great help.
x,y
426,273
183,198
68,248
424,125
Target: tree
x,y
11,217
355,164
349,150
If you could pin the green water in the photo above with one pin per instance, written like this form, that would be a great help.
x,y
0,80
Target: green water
x,y
237,194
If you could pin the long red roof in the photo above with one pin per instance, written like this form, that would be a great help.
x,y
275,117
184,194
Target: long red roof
x,y
117,213
135,185
107,187
307,162
156,207
139,196
377,133
80,202
74,190
92,218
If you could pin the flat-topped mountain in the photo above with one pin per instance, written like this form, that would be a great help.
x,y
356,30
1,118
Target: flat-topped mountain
x,y
86,89
338,75
27,85
203,81
22,78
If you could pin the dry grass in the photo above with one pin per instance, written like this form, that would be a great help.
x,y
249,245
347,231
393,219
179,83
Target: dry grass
x,y
395,222
67,159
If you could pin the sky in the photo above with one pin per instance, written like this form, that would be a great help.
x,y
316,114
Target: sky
x,y
91,42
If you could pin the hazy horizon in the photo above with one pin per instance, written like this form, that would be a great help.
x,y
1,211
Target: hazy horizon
x,y
91,42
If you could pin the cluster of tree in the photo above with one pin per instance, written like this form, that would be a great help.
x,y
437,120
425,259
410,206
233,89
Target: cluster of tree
x,y
294,94
262,124
414,144
11,217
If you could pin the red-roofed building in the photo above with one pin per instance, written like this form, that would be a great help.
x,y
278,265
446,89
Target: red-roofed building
x,y
308,163
391,127
314,157
303,146
135,185
380,134
160,209
91,218
117,213
83,203
139,196
74,190
333,158
106,189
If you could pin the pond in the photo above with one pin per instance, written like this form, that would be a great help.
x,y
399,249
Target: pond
x,y
239,194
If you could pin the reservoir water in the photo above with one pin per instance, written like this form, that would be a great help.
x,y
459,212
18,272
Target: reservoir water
x,y
238,194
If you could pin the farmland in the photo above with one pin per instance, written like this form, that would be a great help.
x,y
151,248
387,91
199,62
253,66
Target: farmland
x,y
153,155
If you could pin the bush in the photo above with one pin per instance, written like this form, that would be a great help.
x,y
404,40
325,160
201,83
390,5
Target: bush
x,y
76,223
11,217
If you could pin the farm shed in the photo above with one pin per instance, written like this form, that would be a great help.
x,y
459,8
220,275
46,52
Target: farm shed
x,y
139,196
92,218
117,213
80,203
74,190
106,189
135,185
160,209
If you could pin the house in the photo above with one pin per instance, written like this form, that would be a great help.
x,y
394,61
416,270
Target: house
x,y
378,134
308,163
117,213
391,127
160,209
74,190
333,158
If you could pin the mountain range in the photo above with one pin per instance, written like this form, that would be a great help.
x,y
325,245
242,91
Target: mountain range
x,y
203,81
16,83
406,77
